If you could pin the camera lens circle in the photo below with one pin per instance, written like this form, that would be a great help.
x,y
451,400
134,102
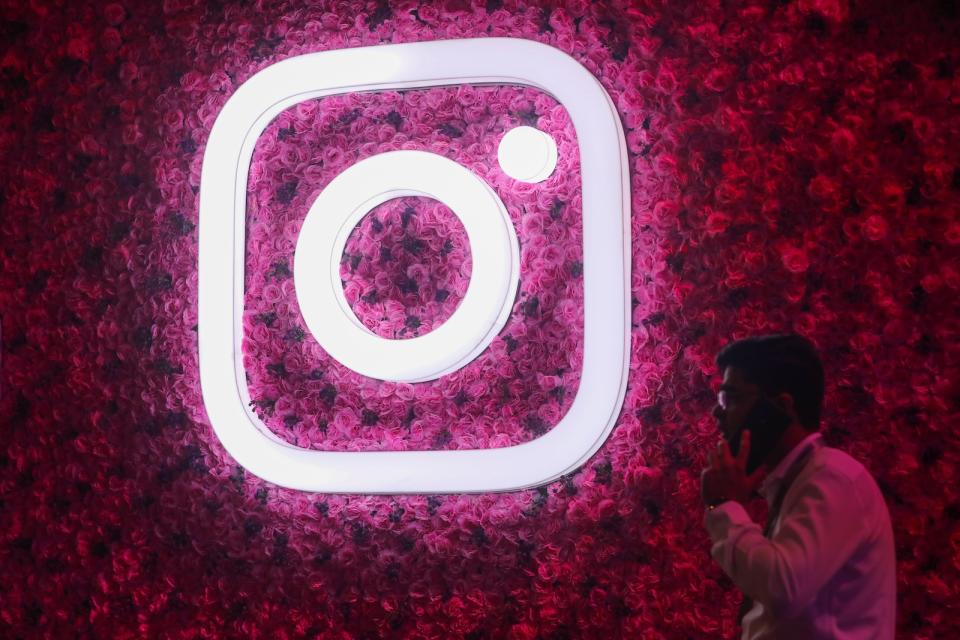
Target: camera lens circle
x,y
527,154
493,282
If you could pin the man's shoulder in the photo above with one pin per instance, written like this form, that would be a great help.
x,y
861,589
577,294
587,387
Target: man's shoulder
x,y
838,461
829,462
842,478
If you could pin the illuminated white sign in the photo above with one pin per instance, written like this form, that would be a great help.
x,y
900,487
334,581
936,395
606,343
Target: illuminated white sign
x,y
606,265
527,154
493,283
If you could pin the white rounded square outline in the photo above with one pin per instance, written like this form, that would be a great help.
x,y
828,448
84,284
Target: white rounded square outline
x,y
606,267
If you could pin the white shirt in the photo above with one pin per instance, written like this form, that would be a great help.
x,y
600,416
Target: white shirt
x,y
828,569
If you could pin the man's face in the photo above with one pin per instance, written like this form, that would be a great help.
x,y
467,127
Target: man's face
x,y
734,402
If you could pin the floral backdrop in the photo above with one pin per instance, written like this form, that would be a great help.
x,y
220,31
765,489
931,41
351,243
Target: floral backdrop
x,y
794,166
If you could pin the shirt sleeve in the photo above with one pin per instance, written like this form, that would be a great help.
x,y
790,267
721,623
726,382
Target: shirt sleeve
x,y
821,525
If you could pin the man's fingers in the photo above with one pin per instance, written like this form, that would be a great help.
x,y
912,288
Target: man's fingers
x,y
723,453
755,478
744,453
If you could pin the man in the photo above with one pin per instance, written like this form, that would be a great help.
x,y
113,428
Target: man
x,y
824,566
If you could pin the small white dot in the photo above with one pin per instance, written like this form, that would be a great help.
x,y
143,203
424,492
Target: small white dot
x,y
527,154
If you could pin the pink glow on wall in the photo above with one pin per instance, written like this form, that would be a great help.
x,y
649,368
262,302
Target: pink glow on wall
x,y
793,166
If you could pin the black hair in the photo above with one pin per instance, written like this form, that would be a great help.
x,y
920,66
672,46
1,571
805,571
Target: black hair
x,y
781,364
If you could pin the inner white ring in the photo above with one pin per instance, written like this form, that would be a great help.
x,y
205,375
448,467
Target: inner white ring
x,y
490,294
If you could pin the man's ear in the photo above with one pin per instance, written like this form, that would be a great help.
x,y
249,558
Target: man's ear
x,y
786,403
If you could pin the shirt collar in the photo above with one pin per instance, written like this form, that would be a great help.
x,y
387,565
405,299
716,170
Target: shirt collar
x,y
772,482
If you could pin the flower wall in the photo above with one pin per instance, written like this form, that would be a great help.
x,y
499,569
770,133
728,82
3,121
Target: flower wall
x,y
794,166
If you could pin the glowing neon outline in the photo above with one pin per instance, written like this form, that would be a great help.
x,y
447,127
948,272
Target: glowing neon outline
x,y
478,318
508,155
606,267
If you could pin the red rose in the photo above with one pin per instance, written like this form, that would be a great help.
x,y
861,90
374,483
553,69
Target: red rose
x,y
720,77
717,223
823,188
114,13
794,259
793,74
952,234
893,196
875,228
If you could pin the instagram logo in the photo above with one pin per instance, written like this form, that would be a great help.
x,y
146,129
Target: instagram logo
x,y
525,154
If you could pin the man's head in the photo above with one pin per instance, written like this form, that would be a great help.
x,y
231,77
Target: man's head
x,y
782,371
